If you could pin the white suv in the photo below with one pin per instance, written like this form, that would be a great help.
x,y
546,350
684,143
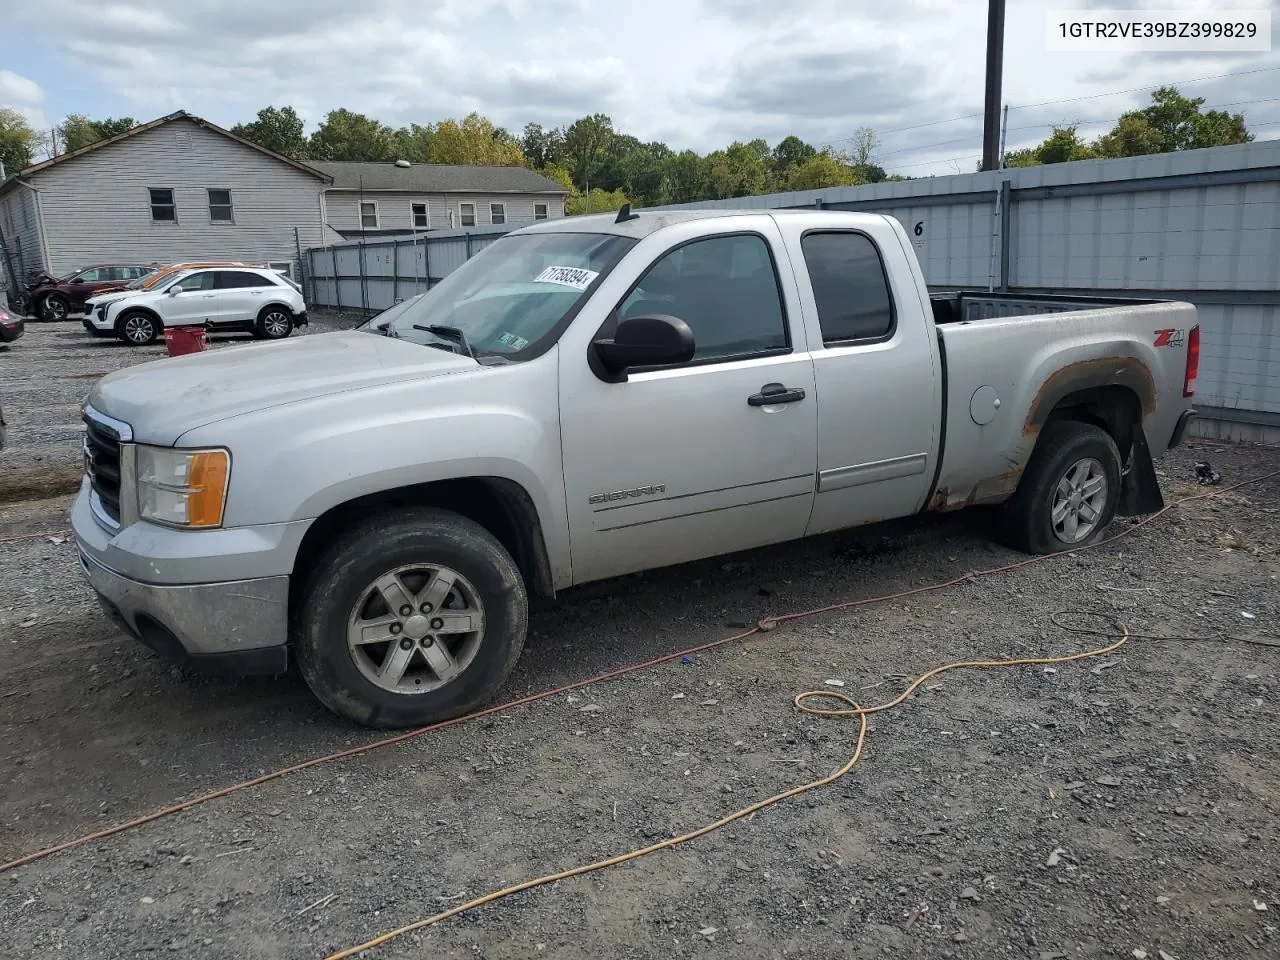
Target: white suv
x,y
262,301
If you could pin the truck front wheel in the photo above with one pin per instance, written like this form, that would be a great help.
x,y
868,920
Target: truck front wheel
x,y
1067,497
415,616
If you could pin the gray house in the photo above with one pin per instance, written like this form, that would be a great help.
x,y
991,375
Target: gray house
x,y
178,188
367,199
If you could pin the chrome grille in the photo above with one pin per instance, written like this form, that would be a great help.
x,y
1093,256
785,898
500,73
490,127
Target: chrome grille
x,y
102,464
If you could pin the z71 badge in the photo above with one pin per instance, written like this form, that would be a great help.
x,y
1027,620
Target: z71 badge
x,y
1169,338
627,494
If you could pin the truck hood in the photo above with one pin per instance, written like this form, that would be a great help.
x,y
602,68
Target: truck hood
x,y
164,399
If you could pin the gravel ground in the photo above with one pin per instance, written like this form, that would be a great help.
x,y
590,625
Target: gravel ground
x,y
1112,808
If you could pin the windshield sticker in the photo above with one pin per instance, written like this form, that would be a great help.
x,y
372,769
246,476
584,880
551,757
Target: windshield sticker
x,y
577,277
513,341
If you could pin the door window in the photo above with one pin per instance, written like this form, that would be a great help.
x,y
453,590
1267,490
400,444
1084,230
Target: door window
x,y
725,289
197,281
850,287
91,276
240,280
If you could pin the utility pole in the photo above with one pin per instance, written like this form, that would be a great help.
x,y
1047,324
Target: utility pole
x,y
1004,133
995,67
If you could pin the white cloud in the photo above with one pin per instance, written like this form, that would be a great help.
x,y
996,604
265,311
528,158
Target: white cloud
x,y
23,95
695,73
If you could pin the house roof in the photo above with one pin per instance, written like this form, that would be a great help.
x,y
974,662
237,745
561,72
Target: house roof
x,y
436,178
27,172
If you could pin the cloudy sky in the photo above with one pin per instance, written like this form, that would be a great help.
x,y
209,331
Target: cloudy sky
x,y
693,73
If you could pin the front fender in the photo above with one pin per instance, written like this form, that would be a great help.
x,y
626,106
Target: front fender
x,y
296,461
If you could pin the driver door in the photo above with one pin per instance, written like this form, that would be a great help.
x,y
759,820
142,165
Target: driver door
x,y
195,305
689,461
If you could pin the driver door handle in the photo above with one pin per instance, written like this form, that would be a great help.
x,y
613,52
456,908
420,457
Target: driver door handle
x,y
772,393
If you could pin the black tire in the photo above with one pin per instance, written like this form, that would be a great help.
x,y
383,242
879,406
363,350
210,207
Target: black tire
x,y
274,323
344,574
55,307
1028,515
138,328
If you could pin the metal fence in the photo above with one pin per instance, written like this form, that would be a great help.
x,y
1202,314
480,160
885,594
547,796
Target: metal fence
x,y
373,274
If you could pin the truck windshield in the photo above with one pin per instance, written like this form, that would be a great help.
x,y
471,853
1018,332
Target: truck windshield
x,y
511,298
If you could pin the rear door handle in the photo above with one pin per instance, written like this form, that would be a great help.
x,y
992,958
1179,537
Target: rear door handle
x,y
772,393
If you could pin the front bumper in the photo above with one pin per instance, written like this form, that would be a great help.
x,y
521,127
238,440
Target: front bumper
x,y
236,627
215,597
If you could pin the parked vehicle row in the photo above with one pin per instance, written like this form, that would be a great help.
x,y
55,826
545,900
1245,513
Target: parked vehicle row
x,y
219,297
588,398
56,298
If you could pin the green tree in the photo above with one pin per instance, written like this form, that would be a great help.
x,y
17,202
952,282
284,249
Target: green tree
x,y
77,130
1061,146
19,142
687,177
413,143
278,129
821,170
540,146
345,135
864,145
790,152
597,201
585,144
1172,122
740,170
473,142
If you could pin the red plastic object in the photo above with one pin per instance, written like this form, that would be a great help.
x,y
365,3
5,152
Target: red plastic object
x,y
183,340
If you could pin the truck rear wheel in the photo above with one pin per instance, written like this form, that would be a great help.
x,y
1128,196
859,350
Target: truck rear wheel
x,y
1067,497
417,615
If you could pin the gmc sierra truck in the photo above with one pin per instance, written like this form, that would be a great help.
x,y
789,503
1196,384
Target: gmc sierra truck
x,y
586,398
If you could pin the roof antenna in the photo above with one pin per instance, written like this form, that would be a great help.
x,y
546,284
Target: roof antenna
x,y
625,214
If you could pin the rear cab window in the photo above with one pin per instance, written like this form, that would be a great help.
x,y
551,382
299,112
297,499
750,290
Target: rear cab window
x,y
850,287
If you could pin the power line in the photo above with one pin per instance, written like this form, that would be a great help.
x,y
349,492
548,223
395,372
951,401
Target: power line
x,y
1092,96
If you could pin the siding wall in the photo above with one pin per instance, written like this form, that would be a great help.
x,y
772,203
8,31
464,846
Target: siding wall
x,y
395,210
97,208
20,222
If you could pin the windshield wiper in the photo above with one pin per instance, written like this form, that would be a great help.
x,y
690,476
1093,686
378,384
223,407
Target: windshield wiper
x,y
449,333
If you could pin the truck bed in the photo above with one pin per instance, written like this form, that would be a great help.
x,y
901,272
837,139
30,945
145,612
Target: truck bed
x,y
966,306
1009,358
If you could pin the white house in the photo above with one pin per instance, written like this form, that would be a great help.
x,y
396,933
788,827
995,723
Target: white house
x,y
368,199
178,188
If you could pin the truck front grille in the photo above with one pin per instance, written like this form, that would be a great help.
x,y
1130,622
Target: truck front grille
x,y
102,464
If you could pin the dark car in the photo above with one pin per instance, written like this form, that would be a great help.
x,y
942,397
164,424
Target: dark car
x,y
11,327
54,298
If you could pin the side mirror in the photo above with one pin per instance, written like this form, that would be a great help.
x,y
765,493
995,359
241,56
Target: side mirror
x,y
647,341
175,290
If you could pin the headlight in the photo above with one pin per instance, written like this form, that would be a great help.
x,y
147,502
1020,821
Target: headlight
x,y
182,488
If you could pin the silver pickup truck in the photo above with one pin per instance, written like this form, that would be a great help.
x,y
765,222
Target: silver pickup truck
x,y
587,398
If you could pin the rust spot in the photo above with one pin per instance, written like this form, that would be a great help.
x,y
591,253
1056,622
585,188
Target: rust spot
x,y
1089,374
940,498
991,490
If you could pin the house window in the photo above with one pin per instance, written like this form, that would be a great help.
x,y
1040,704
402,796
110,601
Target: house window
x,y
497,213
220,206
163,209
421,220
369,215
467,214
539,211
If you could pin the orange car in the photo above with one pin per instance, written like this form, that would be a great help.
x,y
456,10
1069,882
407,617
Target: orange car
x,y
163,273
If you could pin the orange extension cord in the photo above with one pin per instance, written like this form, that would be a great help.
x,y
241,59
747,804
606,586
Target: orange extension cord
x,y
765,624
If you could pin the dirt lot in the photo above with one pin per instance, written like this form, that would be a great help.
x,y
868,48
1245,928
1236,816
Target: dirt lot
x,y
1114,808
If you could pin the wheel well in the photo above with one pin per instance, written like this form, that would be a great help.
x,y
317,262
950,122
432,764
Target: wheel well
x,y
501,506
283,306
1113,408
125,314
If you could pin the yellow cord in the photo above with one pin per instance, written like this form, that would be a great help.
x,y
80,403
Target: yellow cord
x,y
852,709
